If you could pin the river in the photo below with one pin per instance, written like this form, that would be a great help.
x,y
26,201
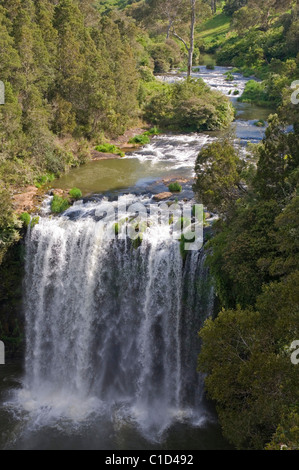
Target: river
x,y
111,330
168,156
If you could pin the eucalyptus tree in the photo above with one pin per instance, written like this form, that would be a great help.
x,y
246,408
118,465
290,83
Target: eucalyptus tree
x,y
169,12
261,14
180,18
189,47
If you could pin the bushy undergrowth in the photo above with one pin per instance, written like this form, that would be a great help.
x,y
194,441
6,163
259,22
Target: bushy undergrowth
x,y
25,218
255,92
75,193
110,148
152,131
175,187
140,139
188,105
9,223
59,204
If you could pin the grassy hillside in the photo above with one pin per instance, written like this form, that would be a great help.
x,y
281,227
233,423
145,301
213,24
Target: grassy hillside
x,y
215,30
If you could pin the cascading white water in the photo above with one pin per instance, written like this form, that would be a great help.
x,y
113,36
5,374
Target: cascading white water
x,y
178,151
109,326
112,331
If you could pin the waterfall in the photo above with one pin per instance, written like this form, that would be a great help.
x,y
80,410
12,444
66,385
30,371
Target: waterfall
x,y
112,326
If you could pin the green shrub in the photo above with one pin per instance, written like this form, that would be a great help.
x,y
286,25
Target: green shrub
x,y
182,247
188,105
229,76
141,139
75,193
146,74
137,242
210,67
236,92
110,148
184,240
9,223
175,187
25,218
260,123
59,204
166,55
255,92
116,228
247,72
152,131
43,179
34,221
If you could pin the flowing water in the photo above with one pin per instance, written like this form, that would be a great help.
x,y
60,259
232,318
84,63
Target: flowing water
x,y
111,332
169,156
111,328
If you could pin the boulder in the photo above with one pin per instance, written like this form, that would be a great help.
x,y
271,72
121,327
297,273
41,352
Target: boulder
x,y
162,196
25,201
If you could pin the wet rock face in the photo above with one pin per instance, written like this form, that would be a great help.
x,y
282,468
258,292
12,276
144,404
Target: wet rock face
x,y
103,155
179,180
60,192
26,200
11,311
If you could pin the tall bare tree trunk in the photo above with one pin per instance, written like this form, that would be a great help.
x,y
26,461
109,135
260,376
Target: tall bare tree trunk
x,y
192,28
190,49
169,28
214,6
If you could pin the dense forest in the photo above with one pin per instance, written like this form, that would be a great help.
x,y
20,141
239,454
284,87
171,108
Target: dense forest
x,y
75,78
254,261
79,73
254,254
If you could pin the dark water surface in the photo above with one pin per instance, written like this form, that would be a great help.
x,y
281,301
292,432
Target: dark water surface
x,y
20,430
